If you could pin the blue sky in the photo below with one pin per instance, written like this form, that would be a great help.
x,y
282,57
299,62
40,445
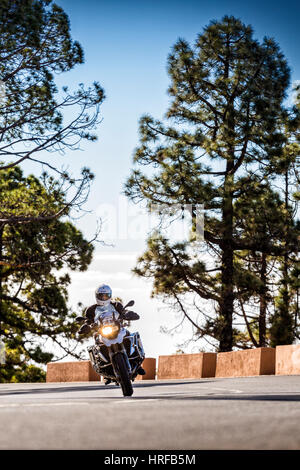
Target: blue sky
x,y
126,45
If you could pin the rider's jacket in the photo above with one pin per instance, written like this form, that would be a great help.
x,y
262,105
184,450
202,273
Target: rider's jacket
x,y
90,312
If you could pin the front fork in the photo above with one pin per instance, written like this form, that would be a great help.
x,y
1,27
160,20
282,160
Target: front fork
x,y
113,350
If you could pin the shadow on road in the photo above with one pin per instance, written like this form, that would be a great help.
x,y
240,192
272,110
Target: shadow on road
x,y
168,396
213,397
85,388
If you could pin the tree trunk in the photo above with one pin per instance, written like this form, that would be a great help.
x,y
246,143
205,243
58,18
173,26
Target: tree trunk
x,y
263,302
286,296
226,305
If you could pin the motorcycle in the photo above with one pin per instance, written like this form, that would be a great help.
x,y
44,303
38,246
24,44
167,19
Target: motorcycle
x,y
117,354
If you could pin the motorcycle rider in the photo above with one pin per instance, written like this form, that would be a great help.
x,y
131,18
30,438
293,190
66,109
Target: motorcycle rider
x,y
103,296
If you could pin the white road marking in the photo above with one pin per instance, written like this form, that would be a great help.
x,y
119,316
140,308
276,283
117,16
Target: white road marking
x,y
170,395
135,400
205,390
228,390
34,405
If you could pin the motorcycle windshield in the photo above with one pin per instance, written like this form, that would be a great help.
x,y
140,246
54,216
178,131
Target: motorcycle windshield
x,y
106,313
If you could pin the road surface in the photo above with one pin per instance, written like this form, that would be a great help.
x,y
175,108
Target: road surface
x,y
236,413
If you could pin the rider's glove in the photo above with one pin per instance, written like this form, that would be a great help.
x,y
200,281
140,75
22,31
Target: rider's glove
x,y
84,329
130,315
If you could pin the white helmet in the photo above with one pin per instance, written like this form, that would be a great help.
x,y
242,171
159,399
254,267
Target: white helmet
x,y
103,294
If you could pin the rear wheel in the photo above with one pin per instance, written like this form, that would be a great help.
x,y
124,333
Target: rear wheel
x,y
124,377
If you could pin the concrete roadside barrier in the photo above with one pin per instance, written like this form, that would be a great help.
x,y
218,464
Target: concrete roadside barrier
x,y
246,363
80,371
187,366
149,365
284,360
288,359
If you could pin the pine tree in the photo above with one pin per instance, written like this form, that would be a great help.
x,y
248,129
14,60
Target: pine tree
x,y
260,215
36,118
227,97
33,293
284,321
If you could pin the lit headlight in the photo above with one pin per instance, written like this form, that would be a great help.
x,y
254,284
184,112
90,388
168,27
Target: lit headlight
x,y
109,330
106,330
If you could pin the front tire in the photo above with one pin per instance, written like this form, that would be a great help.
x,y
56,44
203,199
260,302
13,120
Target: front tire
x,y
123,373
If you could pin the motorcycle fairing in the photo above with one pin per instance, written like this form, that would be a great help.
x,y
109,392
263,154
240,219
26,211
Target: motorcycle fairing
x,y
135,344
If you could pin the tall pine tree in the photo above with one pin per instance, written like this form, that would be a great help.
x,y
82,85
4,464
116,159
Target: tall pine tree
x,y
227,94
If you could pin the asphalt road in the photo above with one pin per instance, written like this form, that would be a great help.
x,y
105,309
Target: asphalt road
x,y
236,413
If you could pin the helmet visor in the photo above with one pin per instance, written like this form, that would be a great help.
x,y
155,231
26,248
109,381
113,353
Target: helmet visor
x,y
103,296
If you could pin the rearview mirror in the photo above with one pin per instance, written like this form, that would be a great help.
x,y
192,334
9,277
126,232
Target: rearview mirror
x,y
130,304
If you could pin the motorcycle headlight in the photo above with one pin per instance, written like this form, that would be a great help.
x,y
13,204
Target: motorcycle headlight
x,y
109,330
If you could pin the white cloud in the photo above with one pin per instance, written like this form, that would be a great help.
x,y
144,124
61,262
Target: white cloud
x,y
101,276
119,256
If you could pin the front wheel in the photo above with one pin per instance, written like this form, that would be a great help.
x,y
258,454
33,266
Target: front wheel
x,y
124,377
